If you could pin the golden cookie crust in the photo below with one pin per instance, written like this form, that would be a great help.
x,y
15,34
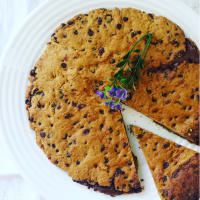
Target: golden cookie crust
x,y
77,61
175,169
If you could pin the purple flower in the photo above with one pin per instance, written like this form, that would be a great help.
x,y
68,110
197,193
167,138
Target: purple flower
x,y
121,93
112,92
118,106
110,103
101,94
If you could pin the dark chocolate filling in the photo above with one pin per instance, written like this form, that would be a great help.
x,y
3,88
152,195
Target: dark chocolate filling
x,y
191,55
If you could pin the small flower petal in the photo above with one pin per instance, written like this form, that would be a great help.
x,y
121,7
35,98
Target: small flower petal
x,y
118,106
121,93
112,92
101,94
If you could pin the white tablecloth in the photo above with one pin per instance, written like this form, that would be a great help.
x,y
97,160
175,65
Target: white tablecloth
x,y
12,14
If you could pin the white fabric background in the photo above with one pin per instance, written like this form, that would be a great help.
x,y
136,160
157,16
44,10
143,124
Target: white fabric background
x,y
12,14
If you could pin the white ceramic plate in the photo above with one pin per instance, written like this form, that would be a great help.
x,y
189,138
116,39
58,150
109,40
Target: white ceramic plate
x,y
19,58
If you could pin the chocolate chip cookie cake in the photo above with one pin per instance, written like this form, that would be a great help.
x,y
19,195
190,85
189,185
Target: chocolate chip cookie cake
x,y
86,59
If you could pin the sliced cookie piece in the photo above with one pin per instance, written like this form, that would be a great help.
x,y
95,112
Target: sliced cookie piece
x,y
82,137
175,169
171,98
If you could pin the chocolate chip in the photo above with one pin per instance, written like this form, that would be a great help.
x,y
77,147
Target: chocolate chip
x,y
165,165
75,32
119,26
106,160
53,105
140,135
197,89
68,116
112,61
35,91
77,162
28,102
192,96
125,19
164,179
43,134
32,72
129,163
148,91
39,105
180,75
56,39
54,146
31,119
56,162
150,15
74,104
101,111
90,32
63,24
80,106
166,145
100,82
86,131
68,154
65,36
155,110
125,145
133,34
63,65
164,94
101,126
110,129
102,148
101,51
85,116
70,22
175,43
154,99
99,21
173,125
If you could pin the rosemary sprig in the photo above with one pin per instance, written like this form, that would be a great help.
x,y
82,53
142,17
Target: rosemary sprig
x,y
127,74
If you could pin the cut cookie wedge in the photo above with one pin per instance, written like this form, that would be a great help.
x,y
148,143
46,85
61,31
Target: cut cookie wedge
x,y
170,96
82,137
175,169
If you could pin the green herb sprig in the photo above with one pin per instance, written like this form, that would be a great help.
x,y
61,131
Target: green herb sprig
x,y
127,74
126,77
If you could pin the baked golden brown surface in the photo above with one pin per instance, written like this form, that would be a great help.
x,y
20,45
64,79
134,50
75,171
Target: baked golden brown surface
x,y
171,98
73,127
175,169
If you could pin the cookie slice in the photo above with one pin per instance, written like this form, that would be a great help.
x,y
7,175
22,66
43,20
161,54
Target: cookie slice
x,y
175,169
83,137
170,96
